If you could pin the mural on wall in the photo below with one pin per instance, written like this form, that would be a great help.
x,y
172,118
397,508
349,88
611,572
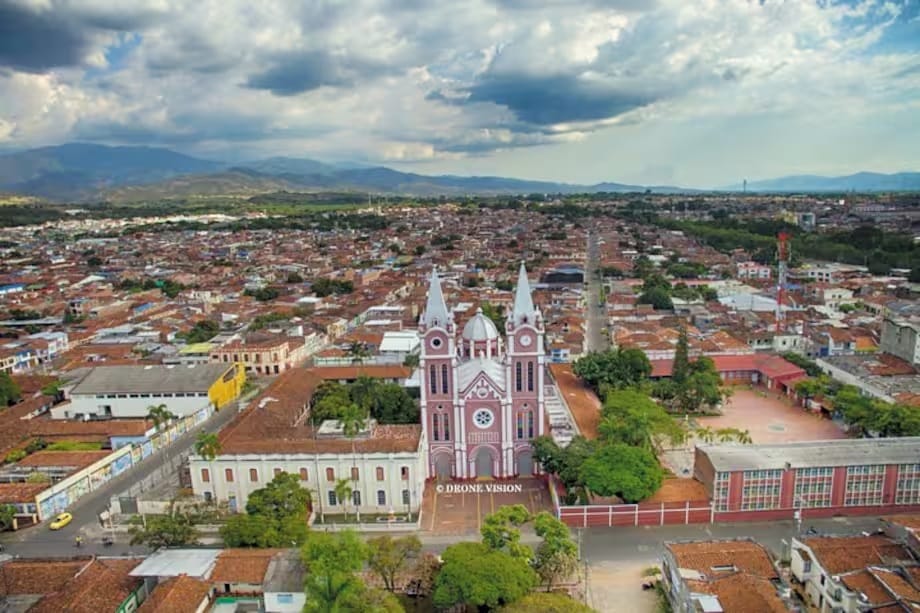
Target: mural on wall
x,y
121,464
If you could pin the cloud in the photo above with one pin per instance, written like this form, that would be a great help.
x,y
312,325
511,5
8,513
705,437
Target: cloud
x,y
35,40
303,71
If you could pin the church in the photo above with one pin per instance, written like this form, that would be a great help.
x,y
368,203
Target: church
x,y
482,395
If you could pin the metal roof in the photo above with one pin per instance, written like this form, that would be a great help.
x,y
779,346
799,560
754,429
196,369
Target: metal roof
x,y
845,452
197,563
150,379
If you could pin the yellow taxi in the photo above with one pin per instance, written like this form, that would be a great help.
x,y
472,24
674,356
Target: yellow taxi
x,y
61,520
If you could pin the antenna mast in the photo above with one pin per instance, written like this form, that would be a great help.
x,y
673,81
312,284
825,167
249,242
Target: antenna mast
x,y
782,259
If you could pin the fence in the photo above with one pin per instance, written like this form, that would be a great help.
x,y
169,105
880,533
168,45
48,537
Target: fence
x,y
643,514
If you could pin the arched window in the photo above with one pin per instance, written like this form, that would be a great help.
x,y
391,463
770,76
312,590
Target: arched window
x,y
381,497
518,384
529,376
354,473
330,474
444,386
435,427
433,379
529,424
446,425
303,474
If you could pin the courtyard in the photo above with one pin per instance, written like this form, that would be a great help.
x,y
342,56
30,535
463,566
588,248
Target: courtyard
x,y
459,507
768,418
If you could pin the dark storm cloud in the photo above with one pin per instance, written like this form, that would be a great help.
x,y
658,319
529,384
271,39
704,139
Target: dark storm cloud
x,y
295,73
35,41
547,100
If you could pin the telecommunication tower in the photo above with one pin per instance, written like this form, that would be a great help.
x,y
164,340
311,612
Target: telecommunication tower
x,y
782,259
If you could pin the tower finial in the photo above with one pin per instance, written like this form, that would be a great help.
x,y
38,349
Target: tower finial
x,y
436,313
523,303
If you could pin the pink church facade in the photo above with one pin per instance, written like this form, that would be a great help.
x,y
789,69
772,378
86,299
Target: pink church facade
x,y
482,394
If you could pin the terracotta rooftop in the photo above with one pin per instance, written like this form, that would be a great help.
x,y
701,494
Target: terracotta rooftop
x,y
742,593
181,594
102,586
374,371
38,576
710,557
771,366
79,459
838,555
12,493
242,565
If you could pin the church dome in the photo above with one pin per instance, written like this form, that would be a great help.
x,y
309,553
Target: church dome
x,y
480,328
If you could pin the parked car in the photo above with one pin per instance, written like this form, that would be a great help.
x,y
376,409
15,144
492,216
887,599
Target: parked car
x,y
61,520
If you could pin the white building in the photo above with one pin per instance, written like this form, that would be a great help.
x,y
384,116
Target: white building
x,y
753,270
901,338
384,464
130,391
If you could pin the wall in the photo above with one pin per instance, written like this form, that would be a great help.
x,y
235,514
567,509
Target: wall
x,y
129,407
228,387
285,602
316,465
64,493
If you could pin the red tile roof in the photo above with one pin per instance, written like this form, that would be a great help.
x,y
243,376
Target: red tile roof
x,y
771,366
181,594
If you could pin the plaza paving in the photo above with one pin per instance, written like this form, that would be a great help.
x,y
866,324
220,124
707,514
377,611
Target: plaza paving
x,y
446,512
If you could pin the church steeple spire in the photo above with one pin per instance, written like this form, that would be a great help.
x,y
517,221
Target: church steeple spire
x,y
523,303
436,313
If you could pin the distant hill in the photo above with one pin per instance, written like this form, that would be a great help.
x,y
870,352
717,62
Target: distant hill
x,y
859,182
232,182
78,171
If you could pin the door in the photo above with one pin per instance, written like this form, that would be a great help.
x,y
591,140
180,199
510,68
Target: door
x,y
442,467
483,463
525,464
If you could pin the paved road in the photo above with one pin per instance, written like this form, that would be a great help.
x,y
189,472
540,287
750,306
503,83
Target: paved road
x,y
41,541
595,335
642,544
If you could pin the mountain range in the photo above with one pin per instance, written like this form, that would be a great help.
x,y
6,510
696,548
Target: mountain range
x,y
79,172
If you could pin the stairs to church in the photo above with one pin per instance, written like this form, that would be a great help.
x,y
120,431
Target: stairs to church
x,y
562,425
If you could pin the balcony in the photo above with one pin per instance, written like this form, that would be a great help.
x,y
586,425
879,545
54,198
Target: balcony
x,y
475,438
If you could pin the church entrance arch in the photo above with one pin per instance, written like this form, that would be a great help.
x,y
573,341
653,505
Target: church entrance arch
x,y
442,467
484,463
525,463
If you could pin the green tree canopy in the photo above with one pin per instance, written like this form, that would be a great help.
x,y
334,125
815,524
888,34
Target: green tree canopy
x,y
175,529
9,391
658,297
547,602
632,473
631,417
613,369
500,531
332,561
389,556
472,574
7,515
276,516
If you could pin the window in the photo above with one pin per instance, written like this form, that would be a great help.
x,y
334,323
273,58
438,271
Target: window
x,y
720,491
380,473
520,425
445,424
433,379
381,497
404,473
908,490
761,489
276,472
205,475
405,497
304,476
813,487
332,499
530,424
483,418
864,485
354,473
806,566
228,475
445,388
529,376
435,427
330,474
253,475
517,377
356,498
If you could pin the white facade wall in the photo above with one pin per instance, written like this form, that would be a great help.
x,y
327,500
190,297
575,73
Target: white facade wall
x,y
131,405
284,602
316,465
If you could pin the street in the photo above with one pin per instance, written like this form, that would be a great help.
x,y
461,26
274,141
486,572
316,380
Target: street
x,y
596,337
38,541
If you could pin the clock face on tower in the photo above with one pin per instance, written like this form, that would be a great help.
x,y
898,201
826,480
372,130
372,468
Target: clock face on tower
x,y
526,340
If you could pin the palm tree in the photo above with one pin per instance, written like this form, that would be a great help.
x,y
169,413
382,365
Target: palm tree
x,y
411,360
344,491
159,415
352,420
705,434
744,437
726,435
358,352
208,446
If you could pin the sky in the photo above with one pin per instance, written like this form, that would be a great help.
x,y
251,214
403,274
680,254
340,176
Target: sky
x,y
697,93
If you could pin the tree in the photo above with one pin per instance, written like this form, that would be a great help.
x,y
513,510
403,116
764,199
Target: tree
x,y
565,462
631,473
631,417
94,261
810,388
203,331
472,574
392,404
496,313
207,445
358,352
343,493
681,367
367,600
388,556
175,529
705,434
282,497
658,297
546,602
557,556
411,360
332,561
293,277
7,517
500,531
9,390
276,516
613,369
159,415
